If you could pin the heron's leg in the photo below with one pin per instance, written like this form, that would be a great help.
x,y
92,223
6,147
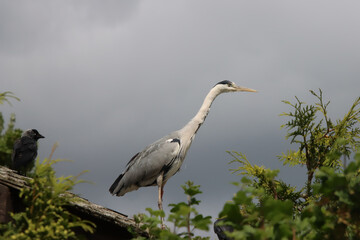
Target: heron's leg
x,y
160,197
160,184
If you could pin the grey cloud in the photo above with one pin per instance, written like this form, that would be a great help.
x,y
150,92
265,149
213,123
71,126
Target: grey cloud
x,y
33,26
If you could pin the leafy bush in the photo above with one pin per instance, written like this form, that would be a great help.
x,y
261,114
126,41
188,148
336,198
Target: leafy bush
x,y
328,206
321,142
8,136
7,140
336,214
265,208
184,217
45,215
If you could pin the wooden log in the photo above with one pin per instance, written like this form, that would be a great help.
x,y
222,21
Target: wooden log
x,y
5,204
103,217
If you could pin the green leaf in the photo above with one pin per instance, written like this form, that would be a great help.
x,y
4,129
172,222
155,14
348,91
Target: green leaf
x,y
201,222
232,212
276,210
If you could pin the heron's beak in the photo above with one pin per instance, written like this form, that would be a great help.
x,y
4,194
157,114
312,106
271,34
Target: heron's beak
x,y
244,89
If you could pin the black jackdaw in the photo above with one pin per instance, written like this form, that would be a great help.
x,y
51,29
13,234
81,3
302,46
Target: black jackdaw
x,y
25,150
220,228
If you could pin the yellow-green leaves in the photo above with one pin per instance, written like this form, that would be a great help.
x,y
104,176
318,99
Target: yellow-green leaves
x,y
45,215
320,142
4,97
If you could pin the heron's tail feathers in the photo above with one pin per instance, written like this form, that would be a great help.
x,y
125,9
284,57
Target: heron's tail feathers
x,y
115,187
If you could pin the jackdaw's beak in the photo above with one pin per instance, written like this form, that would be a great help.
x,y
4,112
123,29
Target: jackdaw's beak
x,y
40,136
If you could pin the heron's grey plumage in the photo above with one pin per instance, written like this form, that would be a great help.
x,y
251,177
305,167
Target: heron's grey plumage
x,y
25,150
144,168
163,158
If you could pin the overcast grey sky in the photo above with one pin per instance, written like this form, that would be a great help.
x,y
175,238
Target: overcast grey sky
x,y
107,78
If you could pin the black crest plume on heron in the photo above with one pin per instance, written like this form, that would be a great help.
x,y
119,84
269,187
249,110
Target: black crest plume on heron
x,y
162,159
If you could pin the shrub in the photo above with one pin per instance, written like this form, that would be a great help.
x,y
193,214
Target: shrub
x,y
46,215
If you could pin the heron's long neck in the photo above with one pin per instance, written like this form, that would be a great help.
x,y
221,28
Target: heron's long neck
x,y
190,129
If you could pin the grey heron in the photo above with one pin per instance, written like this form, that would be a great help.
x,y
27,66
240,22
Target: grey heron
x,y
25,150
162,159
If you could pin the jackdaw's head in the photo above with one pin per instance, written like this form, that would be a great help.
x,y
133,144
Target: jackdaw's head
x,y
32,133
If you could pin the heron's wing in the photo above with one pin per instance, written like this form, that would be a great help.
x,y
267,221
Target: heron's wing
x,y
156,156
132,159
144,168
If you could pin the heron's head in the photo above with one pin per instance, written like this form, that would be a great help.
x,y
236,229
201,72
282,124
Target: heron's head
x,y
32,133
228,86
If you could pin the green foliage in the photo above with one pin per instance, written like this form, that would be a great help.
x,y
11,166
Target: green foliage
x,y
45,215
321,142
7,139
184,217
264,181
263,208
337,213
4,97
8,136
327,207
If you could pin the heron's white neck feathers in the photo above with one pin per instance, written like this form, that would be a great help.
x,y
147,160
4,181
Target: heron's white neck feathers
x,y
190,129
